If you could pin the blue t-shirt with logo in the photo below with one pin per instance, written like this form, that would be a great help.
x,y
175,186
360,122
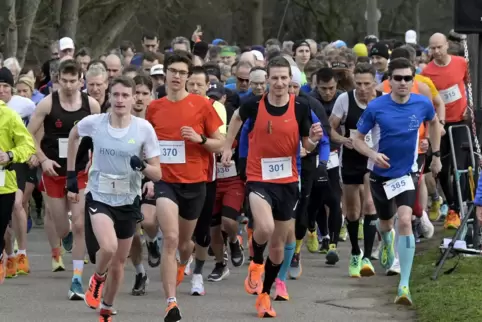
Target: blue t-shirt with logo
x,y
394,128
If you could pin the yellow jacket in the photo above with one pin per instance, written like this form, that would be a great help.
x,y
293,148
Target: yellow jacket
x,y
14,137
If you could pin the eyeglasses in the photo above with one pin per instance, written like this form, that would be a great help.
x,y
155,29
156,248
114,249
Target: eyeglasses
x,y
181,73
243,80
399,78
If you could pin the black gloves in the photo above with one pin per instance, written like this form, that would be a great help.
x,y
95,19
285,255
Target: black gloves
x,y
137,164
72,185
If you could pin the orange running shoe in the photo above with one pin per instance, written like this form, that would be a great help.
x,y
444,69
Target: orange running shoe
x,y
11,267
180,273
452,221
263,306
2,271
105,315
23,266
173,314
94,293
253,284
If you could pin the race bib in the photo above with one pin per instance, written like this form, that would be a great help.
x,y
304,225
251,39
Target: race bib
x,y
333,160
63,145
450,94
223,172
173,152
395,187
368,137
2,178
276,168
114,184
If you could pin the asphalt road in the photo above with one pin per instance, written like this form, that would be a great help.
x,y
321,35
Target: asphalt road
x,y
321,294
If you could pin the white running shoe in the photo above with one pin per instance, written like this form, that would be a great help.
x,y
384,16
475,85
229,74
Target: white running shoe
x,y
197,285
187,270
395,269
426,226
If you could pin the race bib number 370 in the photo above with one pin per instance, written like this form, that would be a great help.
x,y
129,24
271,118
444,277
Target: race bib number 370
x,y
397,186
173,152
276,168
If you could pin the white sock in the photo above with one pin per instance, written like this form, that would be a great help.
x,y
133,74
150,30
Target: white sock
x,y
171,299
140,269
22,252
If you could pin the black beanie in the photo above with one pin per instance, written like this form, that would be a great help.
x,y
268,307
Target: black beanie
x,y
6,76
381,50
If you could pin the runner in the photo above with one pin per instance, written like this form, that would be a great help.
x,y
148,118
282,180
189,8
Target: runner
x,y
187,128
16,145
113,200
357,198
57,114
394,121
272,173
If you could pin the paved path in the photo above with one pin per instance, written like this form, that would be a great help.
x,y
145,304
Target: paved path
x,y
321,294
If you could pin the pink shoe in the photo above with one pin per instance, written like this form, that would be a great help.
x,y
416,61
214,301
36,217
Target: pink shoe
x,y
281,293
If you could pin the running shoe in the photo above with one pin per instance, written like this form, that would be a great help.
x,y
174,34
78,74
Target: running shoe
x,y
403,296
343,233
253,284
29,224
426,226
434,212
197,285
360,230
2,271
376,252
39,221
173,314
237,255
11,267
57,264
23,266
76,292
394,269
94,293
295,270
281,292
188,270
325,245
140,285
312,242
263,306
180,273
452,221
332,255
367,268
105,315
68,242
220,271
153,253
387,252
86,259
355,265
444,210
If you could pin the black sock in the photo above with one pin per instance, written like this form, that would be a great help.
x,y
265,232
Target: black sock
x,y
369,232
225,237
270,273
198,267
352,227
258,252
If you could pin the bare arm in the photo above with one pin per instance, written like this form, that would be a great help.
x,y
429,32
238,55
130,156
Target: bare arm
x,y
434,132
439,107
153,170
36,124
215,142
72,148
94,106
335,136
233,129
362,147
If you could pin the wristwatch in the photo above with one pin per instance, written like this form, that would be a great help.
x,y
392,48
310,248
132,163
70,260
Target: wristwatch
x,y
10,155
436,154
203,139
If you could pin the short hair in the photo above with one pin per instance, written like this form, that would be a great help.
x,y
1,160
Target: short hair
x,y
214,51
401,52
95,71
196,70
97,62
362,59
272,42
54,66
312,66
124,81
278,62
325,75
178,56
71,67
132,69
181,40
365,68
125,45
271,53
144,80
82,52
212,68
150,56
399,63
117,52
149,36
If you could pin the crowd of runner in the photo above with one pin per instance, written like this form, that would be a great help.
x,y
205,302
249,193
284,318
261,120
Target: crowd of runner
x,y
185,149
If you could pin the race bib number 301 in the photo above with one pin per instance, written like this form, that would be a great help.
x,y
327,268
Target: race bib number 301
x,y
276,168
173,152
63,145
395,187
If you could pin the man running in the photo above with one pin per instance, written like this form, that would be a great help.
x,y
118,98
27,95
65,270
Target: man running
x,y
278,121
187,127
394,121
57,114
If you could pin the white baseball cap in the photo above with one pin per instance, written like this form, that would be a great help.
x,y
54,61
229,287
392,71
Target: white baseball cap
x,y
66,43
411,37
157,70
257,54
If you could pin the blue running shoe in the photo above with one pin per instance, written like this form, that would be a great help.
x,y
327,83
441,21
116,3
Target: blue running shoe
x,y
68,242
76,292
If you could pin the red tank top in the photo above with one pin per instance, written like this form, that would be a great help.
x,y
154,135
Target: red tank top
x,y
273,145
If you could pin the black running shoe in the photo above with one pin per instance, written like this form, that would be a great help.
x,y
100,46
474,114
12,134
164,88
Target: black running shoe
x,y
140,285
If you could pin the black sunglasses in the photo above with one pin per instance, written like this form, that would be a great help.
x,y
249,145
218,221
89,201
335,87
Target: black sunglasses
x,y
399,78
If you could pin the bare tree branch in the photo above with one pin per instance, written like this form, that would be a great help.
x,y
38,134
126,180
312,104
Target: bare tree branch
x,y
57,11
28,13
69,18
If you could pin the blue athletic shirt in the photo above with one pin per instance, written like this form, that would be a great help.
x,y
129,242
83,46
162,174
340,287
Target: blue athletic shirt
x,y
395,129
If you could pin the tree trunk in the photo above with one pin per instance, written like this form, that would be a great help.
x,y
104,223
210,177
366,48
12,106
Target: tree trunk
x,y
372,17
115,23
69,19
257,22
28,13
57,8
11,34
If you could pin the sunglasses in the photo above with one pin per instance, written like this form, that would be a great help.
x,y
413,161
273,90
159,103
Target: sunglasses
x,y
399,78
243,80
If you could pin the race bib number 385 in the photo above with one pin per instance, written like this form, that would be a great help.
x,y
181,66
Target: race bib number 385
x,y
395,187
173,152
276,168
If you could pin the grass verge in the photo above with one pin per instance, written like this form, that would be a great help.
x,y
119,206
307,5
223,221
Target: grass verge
x,y
451,298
